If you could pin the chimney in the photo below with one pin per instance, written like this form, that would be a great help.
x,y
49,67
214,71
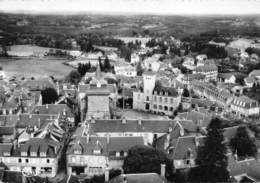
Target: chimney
x,y
124,120
197,141
106,174
39,122
108,139
163,170
139,122
87,138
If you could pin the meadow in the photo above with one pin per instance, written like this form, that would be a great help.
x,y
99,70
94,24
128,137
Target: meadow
x,y
35,67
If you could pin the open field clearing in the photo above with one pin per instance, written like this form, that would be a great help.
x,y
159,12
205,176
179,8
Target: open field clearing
x,y
34,67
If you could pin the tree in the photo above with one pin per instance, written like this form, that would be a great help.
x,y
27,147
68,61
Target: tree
x,y
107,66
186,92
242,144
144,159
211,158
73,77
49,96
139,69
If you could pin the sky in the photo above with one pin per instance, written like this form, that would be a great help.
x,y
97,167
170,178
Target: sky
x,y
190,7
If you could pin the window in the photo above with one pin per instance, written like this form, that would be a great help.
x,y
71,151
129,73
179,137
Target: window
x,y
160,107
117,154
155,106
154,98
165,100
171,100
27,160
20,160
187,161
165,108
147,98
48,160
73,159
160,99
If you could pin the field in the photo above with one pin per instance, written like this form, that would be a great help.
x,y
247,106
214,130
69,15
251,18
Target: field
x,y
34,67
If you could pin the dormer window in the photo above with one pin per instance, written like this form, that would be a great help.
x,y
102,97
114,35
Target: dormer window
x,y
97,151
43,154
34,154
117,154
77,151
24,153
6,153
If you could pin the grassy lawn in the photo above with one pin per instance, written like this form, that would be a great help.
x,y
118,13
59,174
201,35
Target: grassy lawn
x,y
34,67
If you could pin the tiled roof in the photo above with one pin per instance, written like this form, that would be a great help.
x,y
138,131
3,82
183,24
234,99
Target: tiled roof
x,y
225,75
53,109
244,101
25,120
38,84
249,167
32,145
88,146
206,68
171,91
6,130
185,145
156,126
123,143
196,117
139,178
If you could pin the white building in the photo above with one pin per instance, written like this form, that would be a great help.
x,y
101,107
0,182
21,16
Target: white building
x,y
244,106
209,70
158,100
35,157
125,69
152,63
135,58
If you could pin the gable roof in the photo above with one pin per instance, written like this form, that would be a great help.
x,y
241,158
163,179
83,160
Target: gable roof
x,y
185,145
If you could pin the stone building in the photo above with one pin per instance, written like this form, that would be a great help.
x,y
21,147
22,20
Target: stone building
x,y
163,100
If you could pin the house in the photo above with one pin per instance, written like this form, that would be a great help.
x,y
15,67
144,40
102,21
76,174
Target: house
x,y
219,95
189,63
23,121
201,59
246,170
187,79
255,74
62,110
10,106
250,82
152,63
156,99
125,69
91,154
244,106
135,58
185,152
7,134
38,84
209,70
226,78
36,156
97,98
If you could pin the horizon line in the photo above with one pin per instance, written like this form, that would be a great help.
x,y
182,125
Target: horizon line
x,y
36,12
